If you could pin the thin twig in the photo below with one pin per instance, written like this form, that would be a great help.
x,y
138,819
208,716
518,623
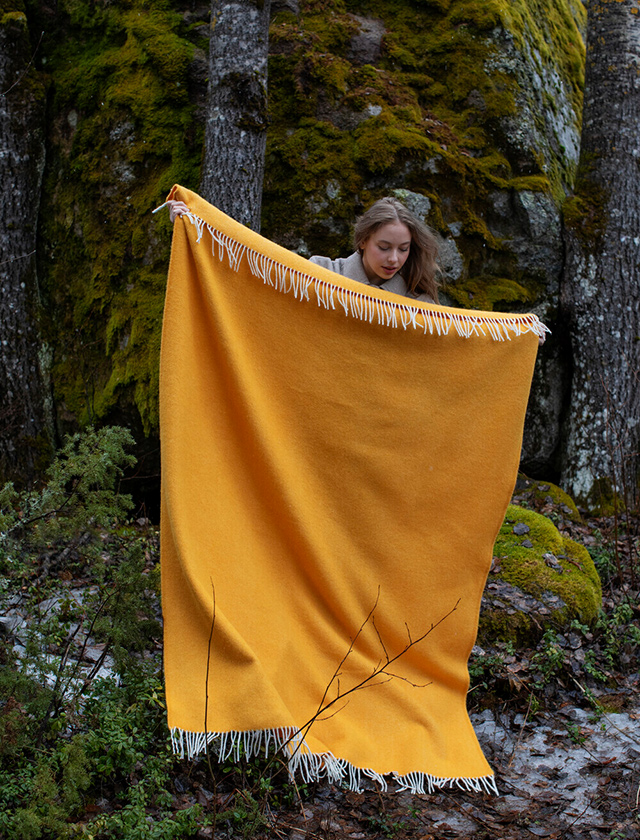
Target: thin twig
x,y
524,723
367,681
579,816
26,69
206,691
21,257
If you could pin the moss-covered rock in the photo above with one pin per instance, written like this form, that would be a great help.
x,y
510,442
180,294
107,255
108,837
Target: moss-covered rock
x,y
470,105
474,105
546,498
539,578
122,131
441,111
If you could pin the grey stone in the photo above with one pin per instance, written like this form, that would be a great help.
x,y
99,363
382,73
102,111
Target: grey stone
x,y
552,561
432,165
501,595
529,225
285,6
450,259
333,189
366,44
538,131
420,205
10,623
519,529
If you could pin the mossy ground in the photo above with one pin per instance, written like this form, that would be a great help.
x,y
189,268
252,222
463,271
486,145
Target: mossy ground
x,y
567,571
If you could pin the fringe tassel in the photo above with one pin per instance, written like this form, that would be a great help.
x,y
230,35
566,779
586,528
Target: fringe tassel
x,y
359,304
312,767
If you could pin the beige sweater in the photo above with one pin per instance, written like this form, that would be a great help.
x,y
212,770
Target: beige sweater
x,y
352,268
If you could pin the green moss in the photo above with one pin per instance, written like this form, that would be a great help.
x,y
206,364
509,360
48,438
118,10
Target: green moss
x,y
585,213
539,494
15,17
578,585
533,183
555,29
123,133
501,626
488,293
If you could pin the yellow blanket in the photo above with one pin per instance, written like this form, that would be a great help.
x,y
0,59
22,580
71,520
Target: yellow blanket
x,y
336,464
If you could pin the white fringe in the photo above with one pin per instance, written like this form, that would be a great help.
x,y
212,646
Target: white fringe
x,y
309,766
360,305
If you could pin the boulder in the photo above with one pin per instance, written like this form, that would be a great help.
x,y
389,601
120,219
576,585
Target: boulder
x,y
539,579
471,110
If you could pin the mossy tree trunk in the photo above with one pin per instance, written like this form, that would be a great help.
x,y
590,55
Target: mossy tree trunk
x,y
236,122
601,290
24,418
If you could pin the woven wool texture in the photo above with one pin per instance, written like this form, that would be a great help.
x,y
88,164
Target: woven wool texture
x,y
332,486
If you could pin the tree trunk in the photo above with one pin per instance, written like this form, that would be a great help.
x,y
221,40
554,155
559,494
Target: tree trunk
x,y
601,291
236,126
25,429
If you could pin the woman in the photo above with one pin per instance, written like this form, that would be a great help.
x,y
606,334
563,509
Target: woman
x,y
394,251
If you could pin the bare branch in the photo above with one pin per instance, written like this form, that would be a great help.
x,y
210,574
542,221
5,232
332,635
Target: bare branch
x,y
367,682
408,633
375,627
26,69
206,682
22,256
407,680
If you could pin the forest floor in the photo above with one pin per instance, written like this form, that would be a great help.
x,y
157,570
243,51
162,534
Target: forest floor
x,y
568,771
564,745
85,754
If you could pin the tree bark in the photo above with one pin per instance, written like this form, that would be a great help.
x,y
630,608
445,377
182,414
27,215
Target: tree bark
x,y
25,427
601,290
236,125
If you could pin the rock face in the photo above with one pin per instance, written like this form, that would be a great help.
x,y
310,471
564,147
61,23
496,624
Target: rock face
x,y
473,108
470,109
126,124
539,578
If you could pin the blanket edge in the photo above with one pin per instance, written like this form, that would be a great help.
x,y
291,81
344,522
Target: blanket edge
x,y
372,305
314,767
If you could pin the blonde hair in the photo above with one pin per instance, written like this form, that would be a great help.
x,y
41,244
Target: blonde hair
x,y
421,269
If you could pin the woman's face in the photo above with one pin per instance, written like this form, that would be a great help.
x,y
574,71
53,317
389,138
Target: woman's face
x,y
385,251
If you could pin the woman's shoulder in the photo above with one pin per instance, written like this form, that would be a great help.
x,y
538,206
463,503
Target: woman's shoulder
x,y
424,298
346,266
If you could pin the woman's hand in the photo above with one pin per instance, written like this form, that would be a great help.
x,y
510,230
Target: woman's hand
x,y
176,208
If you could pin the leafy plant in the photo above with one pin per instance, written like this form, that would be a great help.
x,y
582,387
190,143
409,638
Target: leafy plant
x,y
549,658
603,557
64,731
